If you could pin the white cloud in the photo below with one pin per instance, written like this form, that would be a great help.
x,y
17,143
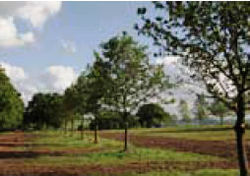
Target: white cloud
x,y
14,72
36,13
58,78
187,89
9,35
53,79
68,46
21,80
168,60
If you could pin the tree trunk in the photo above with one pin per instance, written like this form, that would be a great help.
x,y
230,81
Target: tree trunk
x,y
126,137
65,127
72,127
82,130
221,120
96,135
240,131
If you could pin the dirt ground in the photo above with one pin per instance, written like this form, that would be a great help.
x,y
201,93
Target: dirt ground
x,y
11,157
214,148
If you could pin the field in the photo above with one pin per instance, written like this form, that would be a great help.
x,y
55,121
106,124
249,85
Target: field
x,y
189,151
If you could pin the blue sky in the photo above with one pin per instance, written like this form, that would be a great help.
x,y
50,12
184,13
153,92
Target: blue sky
x,y
45,45
85,25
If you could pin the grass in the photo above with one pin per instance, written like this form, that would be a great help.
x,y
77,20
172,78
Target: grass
x,y
117,157
205,172
56,141
206,132
107,152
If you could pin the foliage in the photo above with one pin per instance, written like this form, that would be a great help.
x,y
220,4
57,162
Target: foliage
x,y
152,115
11,104
44,111
131,78
128,76
113,120
212,38
217,108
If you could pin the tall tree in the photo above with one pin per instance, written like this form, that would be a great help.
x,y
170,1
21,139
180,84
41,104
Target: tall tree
x,y
75,100
184,110
85,96
213,40
11,104
131,78
151,115
44,111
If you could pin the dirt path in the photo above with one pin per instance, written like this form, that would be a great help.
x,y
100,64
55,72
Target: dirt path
x,y
215,148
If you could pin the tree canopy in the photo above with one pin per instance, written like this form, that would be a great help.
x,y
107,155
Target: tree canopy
x,y
44,111
153,115
128,76
212,38
11,104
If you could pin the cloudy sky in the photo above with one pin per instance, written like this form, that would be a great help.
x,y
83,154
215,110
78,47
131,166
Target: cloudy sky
x,y
45,45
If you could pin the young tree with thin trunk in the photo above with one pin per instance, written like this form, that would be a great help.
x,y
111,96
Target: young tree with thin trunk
x,y
131,79
213,40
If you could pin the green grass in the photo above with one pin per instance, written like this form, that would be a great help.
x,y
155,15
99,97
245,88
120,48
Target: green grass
x,y
205,172
206,132
56,141
118,157
107,152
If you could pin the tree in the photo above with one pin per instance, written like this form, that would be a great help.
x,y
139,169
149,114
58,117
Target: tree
x,y
201,107
11,104
152,115
113,120
130,79
74,101
44,111
212,38
85,96
184,110
217,108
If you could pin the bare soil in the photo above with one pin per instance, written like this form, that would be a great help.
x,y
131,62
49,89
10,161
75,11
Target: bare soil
x,y
215,148
11,163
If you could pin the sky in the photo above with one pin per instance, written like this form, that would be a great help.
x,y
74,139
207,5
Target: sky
x,y
45,45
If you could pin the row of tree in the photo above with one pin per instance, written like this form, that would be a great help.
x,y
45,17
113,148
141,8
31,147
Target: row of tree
x,y
112,89
212,38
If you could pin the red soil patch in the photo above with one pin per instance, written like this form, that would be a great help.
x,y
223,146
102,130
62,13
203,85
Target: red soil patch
x,y
18,169
8,142
215,148
11,159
